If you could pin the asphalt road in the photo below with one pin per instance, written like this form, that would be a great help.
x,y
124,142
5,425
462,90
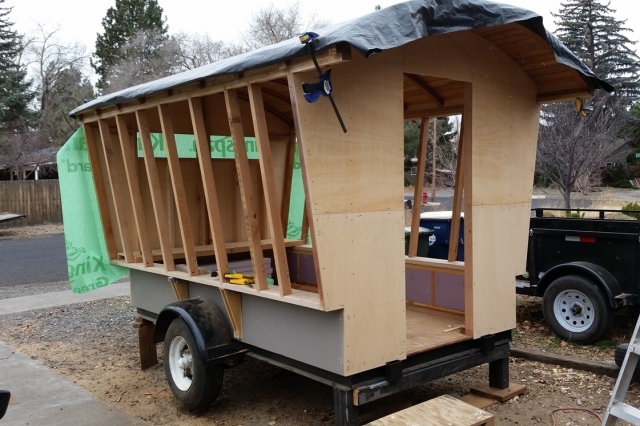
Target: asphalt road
x,y
33,260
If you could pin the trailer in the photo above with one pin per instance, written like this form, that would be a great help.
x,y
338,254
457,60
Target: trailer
x,y
583,268
212,274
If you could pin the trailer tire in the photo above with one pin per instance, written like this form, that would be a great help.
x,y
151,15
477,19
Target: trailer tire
x,y
576,309
194,381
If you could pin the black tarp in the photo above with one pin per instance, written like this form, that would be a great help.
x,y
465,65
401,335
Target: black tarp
x,y
385,29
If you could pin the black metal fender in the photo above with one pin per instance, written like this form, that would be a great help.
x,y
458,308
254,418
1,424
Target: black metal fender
x,y
208,325
600,276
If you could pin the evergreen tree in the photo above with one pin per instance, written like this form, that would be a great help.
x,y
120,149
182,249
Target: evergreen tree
x,y
15,95
589,29
121,24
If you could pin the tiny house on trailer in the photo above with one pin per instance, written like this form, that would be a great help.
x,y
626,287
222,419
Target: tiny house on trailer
x,y
341,304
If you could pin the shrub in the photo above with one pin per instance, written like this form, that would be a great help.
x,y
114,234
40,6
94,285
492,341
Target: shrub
x,y
572,214
628,209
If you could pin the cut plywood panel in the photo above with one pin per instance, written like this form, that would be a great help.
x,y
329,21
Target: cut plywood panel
x,y
360,170
364,255
429,329
505,123
495,264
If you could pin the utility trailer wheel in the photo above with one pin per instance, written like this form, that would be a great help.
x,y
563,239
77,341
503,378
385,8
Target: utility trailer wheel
x,y
193,381
575,309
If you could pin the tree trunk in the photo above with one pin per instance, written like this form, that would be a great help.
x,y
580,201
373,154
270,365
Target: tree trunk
x,y
566,194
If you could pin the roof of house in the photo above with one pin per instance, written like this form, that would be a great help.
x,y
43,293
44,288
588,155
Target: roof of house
x,y
392,27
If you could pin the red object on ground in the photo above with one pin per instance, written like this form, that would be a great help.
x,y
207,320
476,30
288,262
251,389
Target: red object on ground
x,y
424,197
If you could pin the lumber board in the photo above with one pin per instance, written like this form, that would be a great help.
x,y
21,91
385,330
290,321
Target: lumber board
x,y
155,190
441,411
454,232
430,328
583,364
121,215
233,303
180,288
288,179
435,265
146,345
418,187
96,175
466,181
128,146
274,218
500,395
246,188
178,190
209,183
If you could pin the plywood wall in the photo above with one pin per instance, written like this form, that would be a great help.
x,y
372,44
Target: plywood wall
x,y
355,187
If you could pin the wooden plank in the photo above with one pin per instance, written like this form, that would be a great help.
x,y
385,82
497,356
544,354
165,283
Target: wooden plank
x,y
500,395
233,303
180,288
209,184
129,154
466,171
426,328
274,218
101,196
178,189
577,363
454,232
307,215
121,215
146,345
246,188
418,187
478,401
426,88
155,190
441,411
288,179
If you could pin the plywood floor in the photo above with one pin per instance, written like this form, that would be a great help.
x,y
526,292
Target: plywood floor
x,y
425,329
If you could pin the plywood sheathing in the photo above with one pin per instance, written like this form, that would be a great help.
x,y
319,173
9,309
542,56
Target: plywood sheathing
x,y
354,187
500,132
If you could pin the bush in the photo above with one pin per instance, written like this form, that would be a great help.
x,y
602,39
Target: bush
x,y
622,183
629,208
572,214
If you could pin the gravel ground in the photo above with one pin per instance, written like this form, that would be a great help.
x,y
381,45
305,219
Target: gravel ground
x,y
93,345
31,231
8,292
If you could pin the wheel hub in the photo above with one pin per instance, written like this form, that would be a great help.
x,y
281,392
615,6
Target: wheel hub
x,y
574,311
180,363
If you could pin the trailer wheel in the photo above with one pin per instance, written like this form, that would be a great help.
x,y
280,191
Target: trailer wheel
x,y
193,381
576,309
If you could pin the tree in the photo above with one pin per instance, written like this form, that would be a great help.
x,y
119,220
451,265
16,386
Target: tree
x,y
272,25
199,49
122,24
571,147
15,93
589,29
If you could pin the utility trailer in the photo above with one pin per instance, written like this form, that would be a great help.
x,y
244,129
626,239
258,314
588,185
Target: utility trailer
x,y
343,304
584,269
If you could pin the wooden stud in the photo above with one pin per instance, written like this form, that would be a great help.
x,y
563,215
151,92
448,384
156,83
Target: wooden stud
x,y
467,147
101,196
121,215
156,193
233,302
178,190
434,152
308,210
288,180
146,345
127,143
246,188
208,182
270,191
416,80
180,288
418,187
454,232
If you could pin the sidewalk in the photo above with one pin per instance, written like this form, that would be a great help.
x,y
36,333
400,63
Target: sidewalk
x,y
39,397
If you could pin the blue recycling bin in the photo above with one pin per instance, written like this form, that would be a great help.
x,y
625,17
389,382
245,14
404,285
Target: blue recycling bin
x,y
440,222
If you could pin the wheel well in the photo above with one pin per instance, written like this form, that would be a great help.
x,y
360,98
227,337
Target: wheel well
x,y
594,273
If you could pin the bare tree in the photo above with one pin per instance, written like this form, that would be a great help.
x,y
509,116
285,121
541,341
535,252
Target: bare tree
x,y
571,147
196,50
272,25
23,145
147,57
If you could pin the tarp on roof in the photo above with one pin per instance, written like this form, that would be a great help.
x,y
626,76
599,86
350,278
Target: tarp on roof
x,y
385,29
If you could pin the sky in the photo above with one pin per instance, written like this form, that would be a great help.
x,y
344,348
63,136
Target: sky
x,y
80,21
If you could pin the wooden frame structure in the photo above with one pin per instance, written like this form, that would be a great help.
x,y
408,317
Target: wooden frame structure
x,y
171,216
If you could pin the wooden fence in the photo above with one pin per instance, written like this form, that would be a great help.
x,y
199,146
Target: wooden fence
x,y
38,199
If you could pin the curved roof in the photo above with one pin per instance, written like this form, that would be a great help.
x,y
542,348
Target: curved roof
x,y
518,32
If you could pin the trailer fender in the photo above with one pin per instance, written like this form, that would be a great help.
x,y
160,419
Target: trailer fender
x,y
600,276
208,325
